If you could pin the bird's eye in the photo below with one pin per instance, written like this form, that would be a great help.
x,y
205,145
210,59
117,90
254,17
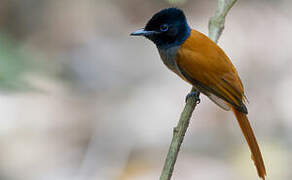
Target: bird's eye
x,y
164,27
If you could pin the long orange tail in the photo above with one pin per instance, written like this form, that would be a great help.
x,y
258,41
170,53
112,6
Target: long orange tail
x,y
252,142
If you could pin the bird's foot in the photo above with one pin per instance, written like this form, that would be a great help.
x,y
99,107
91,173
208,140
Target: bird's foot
x,y
195,94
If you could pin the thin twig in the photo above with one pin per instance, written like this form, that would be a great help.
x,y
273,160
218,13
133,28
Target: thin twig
x,y
216,26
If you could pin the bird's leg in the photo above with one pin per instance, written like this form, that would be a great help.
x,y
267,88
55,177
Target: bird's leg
x,y
195,94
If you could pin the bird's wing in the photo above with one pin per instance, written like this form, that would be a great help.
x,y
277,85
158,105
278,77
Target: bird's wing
x,y
204,64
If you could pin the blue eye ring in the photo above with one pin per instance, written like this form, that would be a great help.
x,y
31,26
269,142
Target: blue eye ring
x,y
164,27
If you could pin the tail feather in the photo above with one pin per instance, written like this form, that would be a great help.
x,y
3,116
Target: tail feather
x,y
252,142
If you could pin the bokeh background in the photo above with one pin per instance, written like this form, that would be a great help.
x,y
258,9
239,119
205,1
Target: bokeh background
x,y
80,99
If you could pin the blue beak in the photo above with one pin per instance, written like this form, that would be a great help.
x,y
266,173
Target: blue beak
x,y
142,32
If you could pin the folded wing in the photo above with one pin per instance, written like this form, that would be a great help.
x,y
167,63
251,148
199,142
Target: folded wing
x,y
207,67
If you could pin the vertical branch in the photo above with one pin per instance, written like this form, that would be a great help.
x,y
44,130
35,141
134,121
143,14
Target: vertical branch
x,y
216,26
216,23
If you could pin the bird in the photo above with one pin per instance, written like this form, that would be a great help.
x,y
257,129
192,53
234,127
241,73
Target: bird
x,y
202,63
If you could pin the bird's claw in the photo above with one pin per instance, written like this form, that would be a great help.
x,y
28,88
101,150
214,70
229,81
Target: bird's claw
x,y
195,94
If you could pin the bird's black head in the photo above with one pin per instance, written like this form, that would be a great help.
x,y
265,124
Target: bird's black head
x,y
166,28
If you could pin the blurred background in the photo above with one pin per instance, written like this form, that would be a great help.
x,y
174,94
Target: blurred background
x,y
81,99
